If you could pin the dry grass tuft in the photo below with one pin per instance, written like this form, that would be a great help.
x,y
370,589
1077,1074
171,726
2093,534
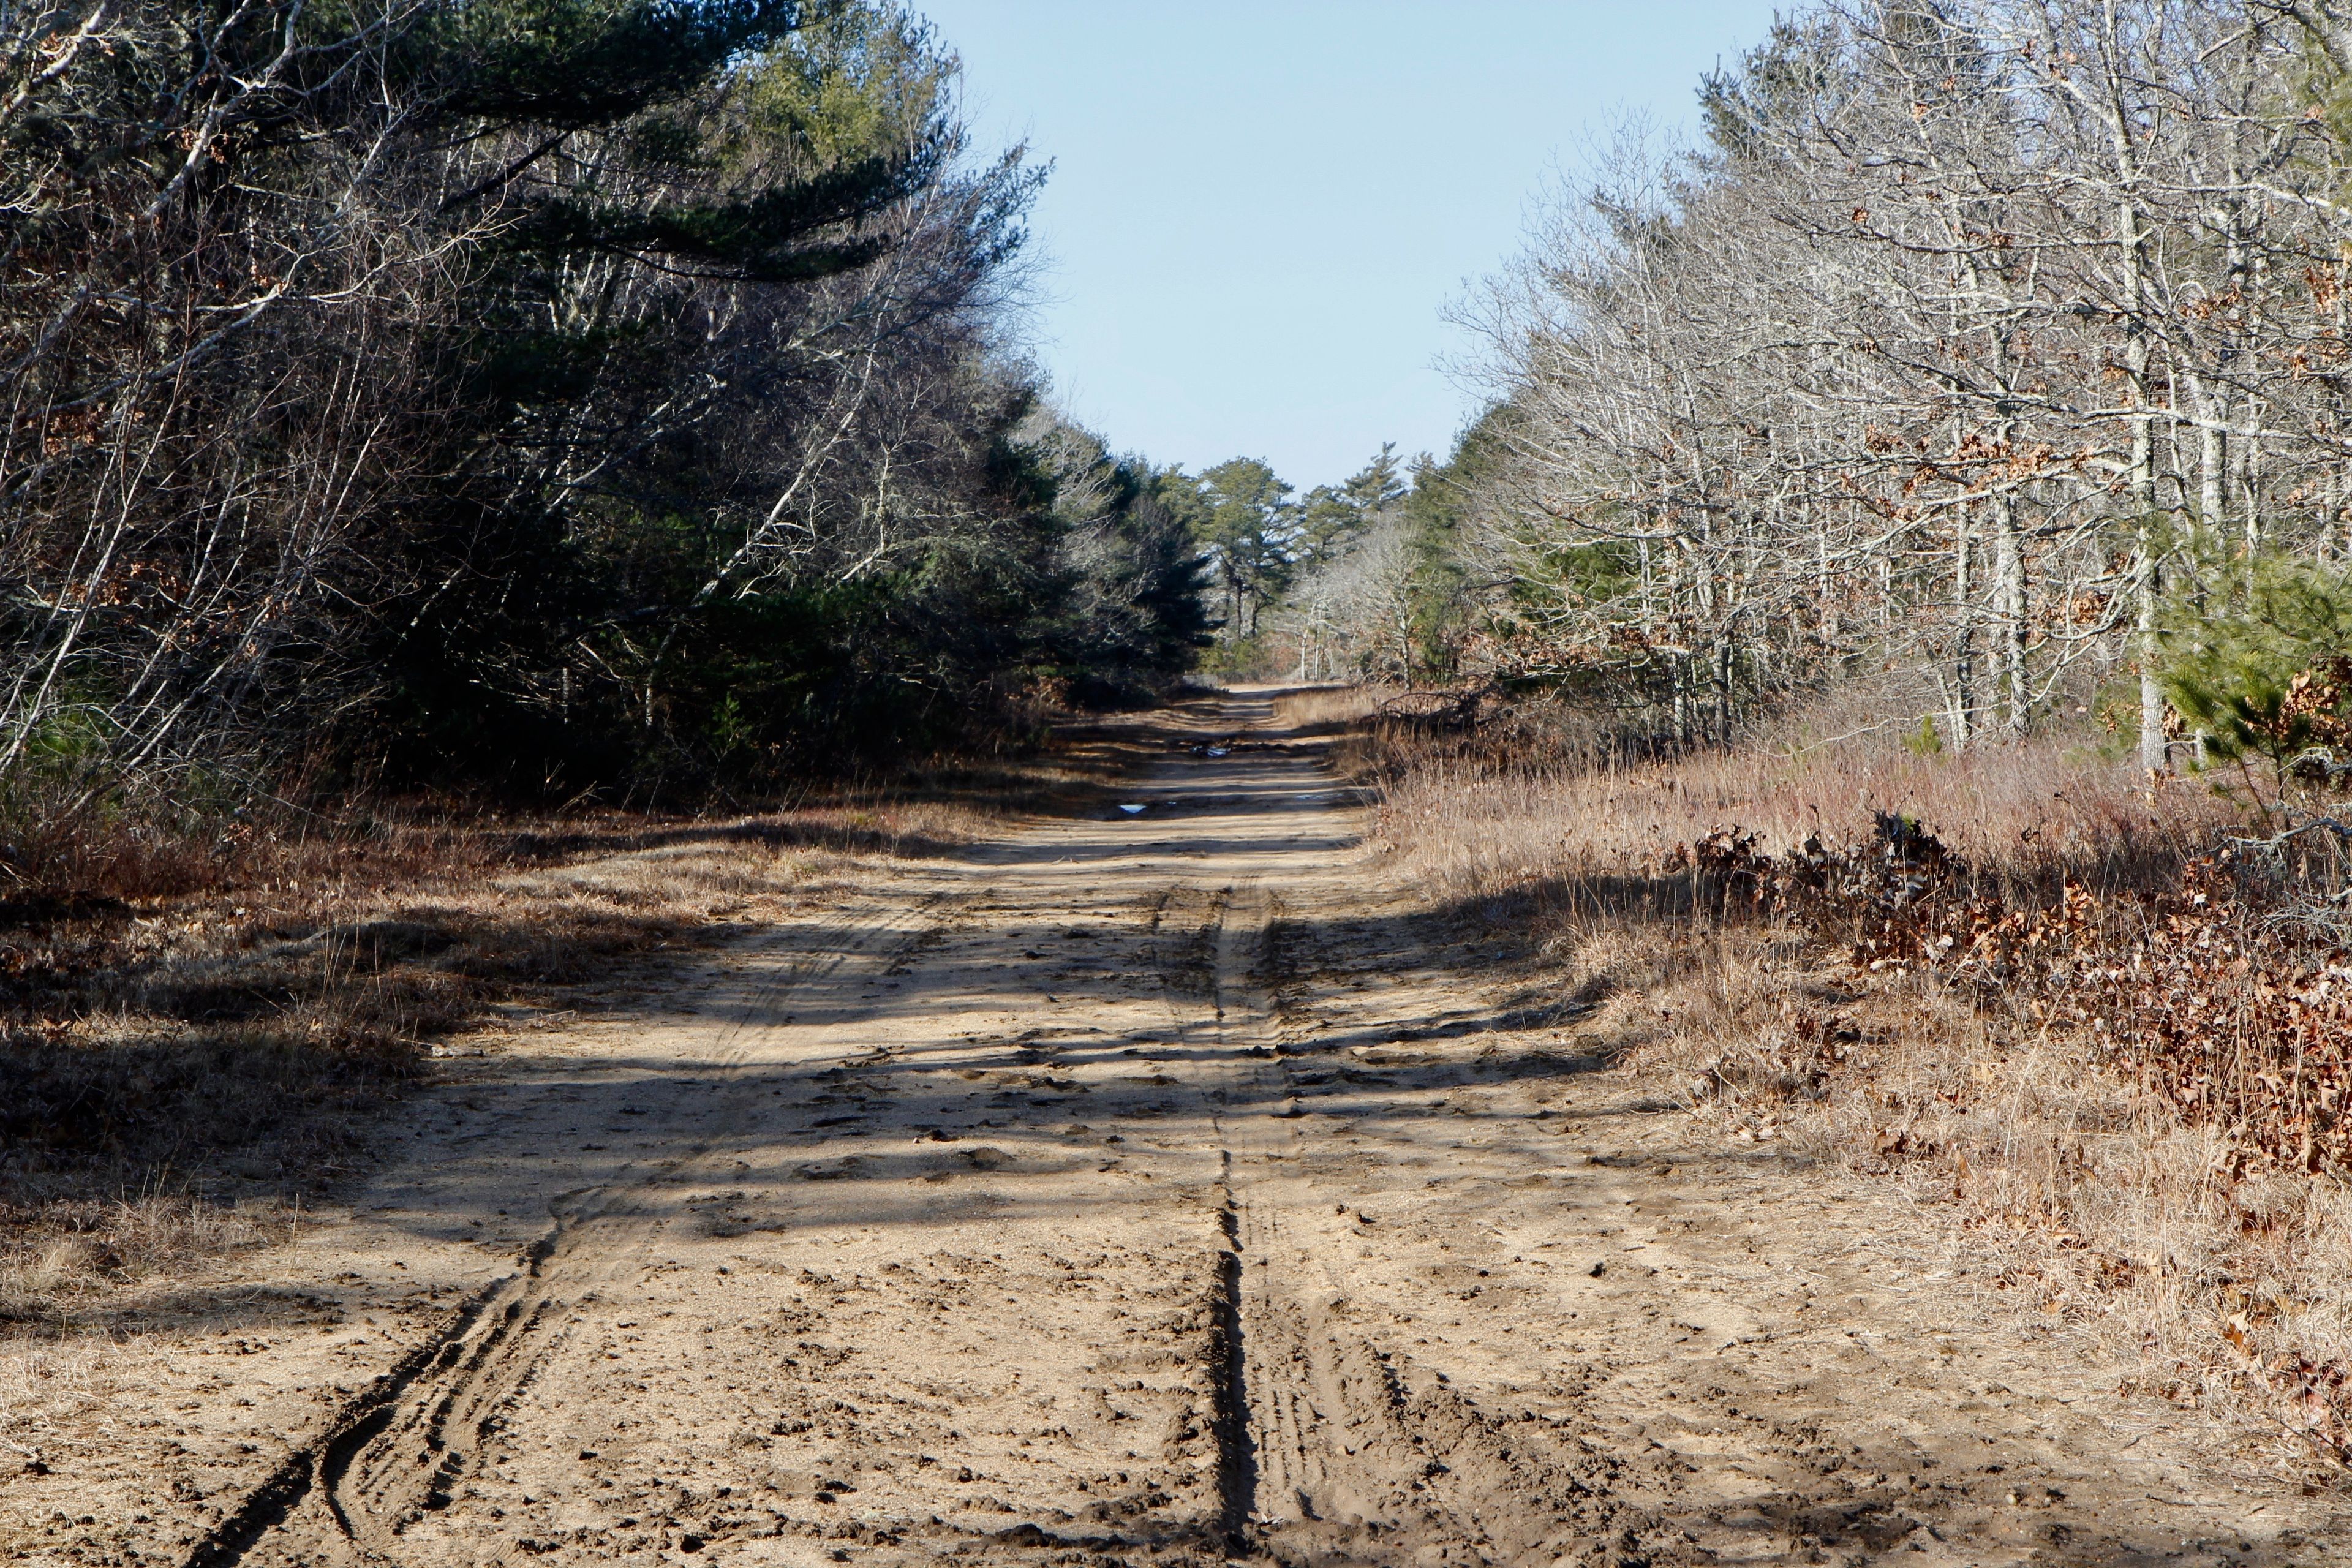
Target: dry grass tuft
x,y
41,1384
1320,710
2103,1151
2027,816
71,1260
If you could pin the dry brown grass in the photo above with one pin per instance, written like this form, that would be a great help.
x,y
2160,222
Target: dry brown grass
x,y
201,1034
2086,1200
1315,710
42,1383
2026,815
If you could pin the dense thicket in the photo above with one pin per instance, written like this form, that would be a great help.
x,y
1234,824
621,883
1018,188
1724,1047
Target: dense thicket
x,y
1997,340
554,393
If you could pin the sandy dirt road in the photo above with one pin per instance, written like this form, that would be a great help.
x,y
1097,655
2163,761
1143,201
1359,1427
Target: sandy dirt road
x,y
1155,1189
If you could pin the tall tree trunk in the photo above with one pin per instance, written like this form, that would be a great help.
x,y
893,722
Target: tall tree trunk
x,y
2247,462
2146,577
2132,245
1964,640
2212,454
2009,602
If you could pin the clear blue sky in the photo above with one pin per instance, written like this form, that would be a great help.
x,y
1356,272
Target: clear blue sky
x,y
1258,210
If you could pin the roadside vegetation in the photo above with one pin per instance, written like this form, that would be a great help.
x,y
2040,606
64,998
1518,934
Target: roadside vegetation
x,y
616,403
2078,1016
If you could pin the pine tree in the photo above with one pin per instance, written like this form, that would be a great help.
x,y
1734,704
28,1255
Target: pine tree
x,y
1334,516
2259,665
1246,521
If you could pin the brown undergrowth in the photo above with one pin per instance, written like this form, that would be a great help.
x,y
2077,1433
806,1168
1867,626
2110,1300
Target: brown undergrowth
x,y
204,1028
2081,1014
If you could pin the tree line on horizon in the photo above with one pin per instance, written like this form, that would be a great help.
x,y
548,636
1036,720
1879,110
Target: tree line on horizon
x,y
1356,580
1988,357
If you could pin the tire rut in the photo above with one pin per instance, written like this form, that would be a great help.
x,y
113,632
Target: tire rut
x,y
395,1454
1355,1454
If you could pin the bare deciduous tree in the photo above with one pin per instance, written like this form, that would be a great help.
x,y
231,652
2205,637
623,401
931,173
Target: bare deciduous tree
x,y
1965,318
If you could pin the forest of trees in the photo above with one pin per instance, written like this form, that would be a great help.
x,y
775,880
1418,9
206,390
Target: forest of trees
x,y
563,396
1995,350
1361,579
554,395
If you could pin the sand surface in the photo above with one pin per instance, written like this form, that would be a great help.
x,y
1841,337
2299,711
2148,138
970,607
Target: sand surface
x,y
1164,1188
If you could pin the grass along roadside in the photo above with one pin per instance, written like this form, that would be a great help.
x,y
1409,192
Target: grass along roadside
x,y
200,1040
2015,986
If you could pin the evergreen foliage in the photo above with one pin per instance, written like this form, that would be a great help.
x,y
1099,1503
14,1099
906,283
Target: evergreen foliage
x,y
2258,664
1241,514
564,394
1334,516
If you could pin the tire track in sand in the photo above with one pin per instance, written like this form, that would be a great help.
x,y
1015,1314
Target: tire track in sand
x,y
397,1450
1352,1453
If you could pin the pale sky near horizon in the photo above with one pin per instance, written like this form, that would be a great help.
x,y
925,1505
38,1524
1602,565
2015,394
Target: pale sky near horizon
x,y
1258,212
